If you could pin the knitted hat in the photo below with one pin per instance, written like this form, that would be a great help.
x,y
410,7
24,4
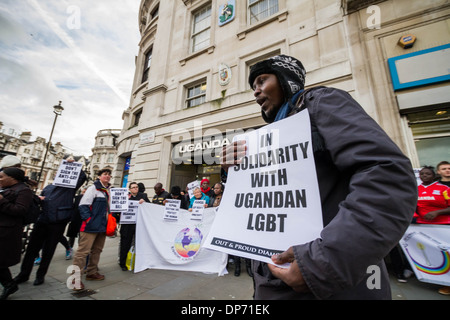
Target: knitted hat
x,y
9,161
176,191
289,71
15,173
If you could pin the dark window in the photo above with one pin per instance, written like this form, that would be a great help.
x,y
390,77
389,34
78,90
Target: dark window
x,y
147,64
137,117
154,13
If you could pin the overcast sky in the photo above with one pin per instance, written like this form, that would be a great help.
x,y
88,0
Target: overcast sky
x,y
78,51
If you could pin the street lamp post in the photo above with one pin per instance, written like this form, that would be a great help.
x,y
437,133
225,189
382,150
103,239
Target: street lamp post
x,y
57,110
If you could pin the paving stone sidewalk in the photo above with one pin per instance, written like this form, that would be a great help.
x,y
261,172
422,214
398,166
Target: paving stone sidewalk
x,y
156,284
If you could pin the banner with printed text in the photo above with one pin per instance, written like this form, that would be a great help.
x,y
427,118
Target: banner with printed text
x,y
427,248
271,199
175,244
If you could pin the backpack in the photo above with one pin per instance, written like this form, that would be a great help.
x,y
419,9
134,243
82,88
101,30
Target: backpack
x,y
33,212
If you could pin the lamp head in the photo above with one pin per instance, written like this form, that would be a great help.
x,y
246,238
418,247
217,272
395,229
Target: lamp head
x,y
58,109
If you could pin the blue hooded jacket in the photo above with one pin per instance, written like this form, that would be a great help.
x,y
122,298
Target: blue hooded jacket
x,y
94,209
58,204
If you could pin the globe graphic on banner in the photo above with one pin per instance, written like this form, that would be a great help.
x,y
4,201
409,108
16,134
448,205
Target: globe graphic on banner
x,y
187,242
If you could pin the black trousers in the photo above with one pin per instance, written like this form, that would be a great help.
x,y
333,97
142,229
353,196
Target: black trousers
x,y
399,261
5,276
45,237
127,232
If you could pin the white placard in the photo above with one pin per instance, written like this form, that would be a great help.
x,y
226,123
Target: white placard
x,y
191,186
172,209
68,174
118,200
271,200
197,209
129,217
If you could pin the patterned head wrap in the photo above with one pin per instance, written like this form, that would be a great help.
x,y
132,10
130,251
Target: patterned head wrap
x,y
289,71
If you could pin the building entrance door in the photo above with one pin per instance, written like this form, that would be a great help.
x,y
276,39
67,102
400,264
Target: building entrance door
x,y
183,174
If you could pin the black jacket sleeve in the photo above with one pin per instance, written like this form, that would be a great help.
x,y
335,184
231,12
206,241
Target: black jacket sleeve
x,y
14,204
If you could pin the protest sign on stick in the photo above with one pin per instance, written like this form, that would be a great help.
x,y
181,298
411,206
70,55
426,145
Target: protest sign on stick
x,y
197,209
191,186
119,200
271,199
129,217
68,174
172,209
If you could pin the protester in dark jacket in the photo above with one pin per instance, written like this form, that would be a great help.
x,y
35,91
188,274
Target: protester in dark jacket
x,y
15,201
74,226
160,194
175,193
367,189
128,231
214,200
205,188
57,210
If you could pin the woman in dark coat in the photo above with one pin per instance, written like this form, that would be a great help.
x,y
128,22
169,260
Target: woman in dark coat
x,y
366,184
128,231
15,201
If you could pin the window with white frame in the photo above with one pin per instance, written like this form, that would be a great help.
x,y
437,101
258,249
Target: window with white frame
x,y
201,29
261,9
147,64
110,158
196,94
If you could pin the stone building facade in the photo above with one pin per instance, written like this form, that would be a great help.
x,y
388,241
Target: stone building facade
x,y
190,92
31,154
103,152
